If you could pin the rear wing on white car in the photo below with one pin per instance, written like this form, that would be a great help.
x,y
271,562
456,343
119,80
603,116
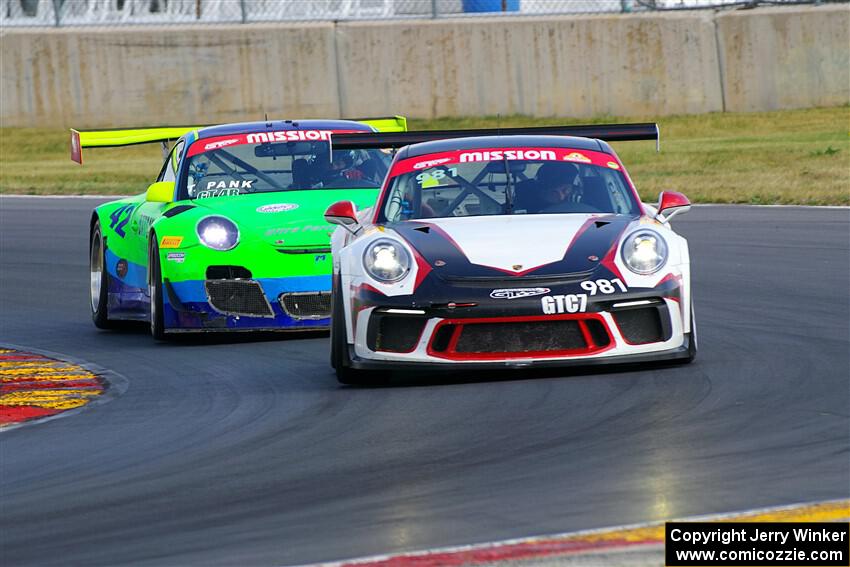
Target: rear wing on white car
x,y
395,140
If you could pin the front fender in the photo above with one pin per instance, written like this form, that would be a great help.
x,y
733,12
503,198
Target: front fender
x,y
114,218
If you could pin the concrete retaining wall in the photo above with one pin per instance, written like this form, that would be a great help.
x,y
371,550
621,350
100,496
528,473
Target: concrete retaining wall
x,y
554,66
166,76
780,58
648,64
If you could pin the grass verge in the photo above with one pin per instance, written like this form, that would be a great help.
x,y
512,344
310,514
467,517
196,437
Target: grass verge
x,y
784,157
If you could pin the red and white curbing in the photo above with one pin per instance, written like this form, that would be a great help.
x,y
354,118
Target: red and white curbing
x,y
38,386
627,546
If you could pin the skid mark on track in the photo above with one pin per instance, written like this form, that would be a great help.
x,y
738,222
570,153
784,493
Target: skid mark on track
x,y
34,386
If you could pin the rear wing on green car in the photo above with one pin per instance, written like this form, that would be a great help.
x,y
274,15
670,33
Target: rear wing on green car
x,y
163,134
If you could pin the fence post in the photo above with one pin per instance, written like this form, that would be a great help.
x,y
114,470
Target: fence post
x,y
626,5
244,12
56,15
433,9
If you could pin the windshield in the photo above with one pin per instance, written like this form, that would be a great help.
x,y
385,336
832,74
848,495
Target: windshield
x,y
277,161
506,181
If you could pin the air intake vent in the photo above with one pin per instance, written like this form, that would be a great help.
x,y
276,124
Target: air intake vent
x,y
641,326
394,333
238,297
307,305
521,337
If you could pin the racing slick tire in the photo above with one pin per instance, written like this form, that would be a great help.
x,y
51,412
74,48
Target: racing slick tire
x,y
155,292
692,338
99,280
340,360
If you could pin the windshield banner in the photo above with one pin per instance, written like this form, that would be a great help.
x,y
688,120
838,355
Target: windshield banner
x,y
499,154
219,142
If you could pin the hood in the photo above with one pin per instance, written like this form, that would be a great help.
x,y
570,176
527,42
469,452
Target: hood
x,y
533,245
286,219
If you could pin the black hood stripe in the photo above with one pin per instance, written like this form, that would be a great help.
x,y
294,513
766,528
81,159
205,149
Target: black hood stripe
x,y
593,240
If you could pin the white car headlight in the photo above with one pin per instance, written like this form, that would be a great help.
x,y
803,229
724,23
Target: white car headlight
x,y
218,233
386,260
644,252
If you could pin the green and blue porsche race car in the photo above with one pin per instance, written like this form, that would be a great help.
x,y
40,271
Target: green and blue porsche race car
x,y
231,235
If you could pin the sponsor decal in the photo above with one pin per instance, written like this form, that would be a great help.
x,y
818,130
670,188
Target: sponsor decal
x,y
613,165
178,257
307,228
290,136
517,267
320,258
570,303
145,222
446,159
440,263
217,193
575,156
171,242
496,155
233,184
277,208
431,163
221,144
121,268
516,293
215,143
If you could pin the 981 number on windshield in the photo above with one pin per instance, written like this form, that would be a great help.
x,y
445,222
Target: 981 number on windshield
x,y
436,175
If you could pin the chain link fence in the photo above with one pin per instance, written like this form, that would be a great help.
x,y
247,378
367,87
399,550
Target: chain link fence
x,y
116,12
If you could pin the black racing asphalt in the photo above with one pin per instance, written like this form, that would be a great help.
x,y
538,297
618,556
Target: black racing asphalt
x,y
246,451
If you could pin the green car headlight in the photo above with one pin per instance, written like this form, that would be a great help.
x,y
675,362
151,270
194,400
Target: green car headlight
x,y
386,260
644,252
218,233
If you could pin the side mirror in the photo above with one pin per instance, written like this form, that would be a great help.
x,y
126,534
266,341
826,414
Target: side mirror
x,y
343,213
160,192
671,203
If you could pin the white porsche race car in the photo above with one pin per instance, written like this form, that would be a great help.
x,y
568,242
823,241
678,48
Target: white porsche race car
x,y
509,250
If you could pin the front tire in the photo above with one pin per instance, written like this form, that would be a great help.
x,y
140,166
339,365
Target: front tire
x,y
99,280
339,344
692,338
340,359
155,291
